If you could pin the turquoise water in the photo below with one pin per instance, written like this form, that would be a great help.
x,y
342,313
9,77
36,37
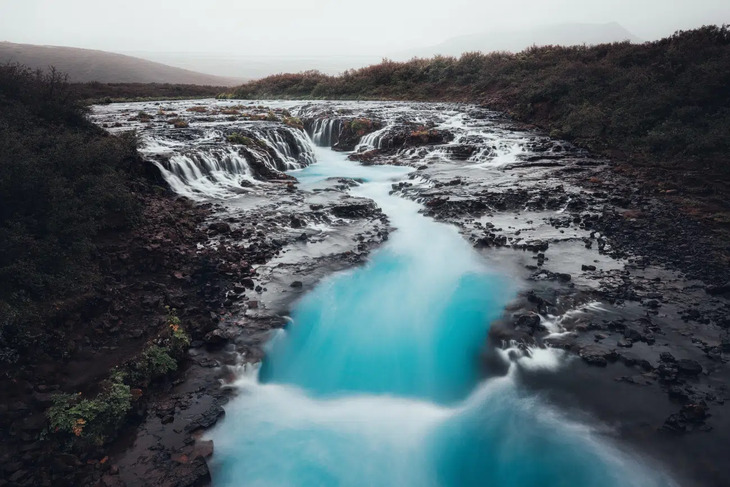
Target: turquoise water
x,y
376,382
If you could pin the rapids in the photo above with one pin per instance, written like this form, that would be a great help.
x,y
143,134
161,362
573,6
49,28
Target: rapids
x,y
376,381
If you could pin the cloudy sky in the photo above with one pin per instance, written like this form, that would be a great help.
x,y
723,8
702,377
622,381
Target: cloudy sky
x,y
322,27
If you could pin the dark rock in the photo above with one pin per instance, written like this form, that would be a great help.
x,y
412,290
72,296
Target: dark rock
x,y
296,284
689,367
588,267
594,358
667,357
563,277
718,290
219,227
216,338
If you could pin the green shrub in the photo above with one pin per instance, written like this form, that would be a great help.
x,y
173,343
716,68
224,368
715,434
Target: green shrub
x,y
91,421
179,339
64,183
240,139
294,122
153,363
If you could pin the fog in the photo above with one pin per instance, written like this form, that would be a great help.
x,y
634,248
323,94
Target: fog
x,y
322,27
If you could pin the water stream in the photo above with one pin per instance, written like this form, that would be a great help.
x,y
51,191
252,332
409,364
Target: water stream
x,y
377,379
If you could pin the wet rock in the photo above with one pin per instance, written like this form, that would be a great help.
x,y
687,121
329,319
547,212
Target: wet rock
x,y
359,209
718,290
296,284
588,267
203,449
689,367
592,357
219,227
667,357
530,322
563,277
216,338
207,419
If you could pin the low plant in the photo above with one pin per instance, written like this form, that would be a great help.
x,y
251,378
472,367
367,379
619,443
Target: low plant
x,y
294,122
178,123
240,139
91,421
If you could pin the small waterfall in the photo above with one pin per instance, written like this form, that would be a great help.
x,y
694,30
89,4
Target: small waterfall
x,y
373,140
290,145
325,132
213,167
206,173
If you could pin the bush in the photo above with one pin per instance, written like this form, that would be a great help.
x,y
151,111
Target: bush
x,y
240,139
94,421
64,183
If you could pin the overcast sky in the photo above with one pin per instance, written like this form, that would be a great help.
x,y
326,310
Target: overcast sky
x,y
322,27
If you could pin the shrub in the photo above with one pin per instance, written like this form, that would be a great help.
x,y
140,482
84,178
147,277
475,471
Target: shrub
x,y
91,421
64,183
153,363
240,139
294,122
178,123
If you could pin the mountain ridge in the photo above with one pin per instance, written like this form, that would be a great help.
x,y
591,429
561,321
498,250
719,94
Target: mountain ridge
x,y
88,65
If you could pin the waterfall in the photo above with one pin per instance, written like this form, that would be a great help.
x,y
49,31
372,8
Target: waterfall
x,y
325,132
213,167
373,140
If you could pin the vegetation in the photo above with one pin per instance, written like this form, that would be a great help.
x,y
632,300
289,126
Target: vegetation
x,y
240,139
665,102
293,122
87,422
64,183
115,92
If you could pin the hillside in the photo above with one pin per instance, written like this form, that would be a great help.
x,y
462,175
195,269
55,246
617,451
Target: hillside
x,y
86,65
518,40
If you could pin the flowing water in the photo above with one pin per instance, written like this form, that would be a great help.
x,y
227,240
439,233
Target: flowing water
x,y
377,381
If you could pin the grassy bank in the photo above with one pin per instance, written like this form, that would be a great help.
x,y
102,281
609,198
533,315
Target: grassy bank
x,y
663,103
92,93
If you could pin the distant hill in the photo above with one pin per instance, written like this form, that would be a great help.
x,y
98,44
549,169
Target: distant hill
x,y
517,40
84,65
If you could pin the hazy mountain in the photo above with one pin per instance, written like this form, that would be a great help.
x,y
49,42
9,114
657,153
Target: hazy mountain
x,y
84,65
517,40
246,66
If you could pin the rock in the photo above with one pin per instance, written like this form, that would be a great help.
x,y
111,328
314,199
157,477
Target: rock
x,y
633,335
296,284
530,322
203,449
689,367
718,290
588,267
593,358
216,338
219,227
563,277
354,210
667,357
206,419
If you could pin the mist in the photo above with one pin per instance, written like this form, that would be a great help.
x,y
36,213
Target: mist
x,y
322,27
